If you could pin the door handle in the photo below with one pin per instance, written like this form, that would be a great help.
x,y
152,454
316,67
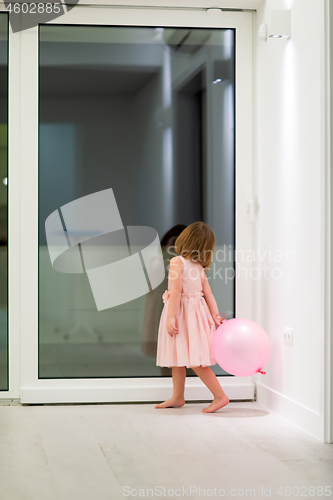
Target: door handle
x,y
250,206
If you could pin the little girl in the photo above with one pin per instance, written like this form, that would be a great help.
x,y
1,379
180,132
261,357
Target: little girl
x,y
189,316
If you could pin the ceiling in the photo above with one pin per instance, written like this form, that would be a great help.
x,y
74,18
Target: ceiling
x,y
203,4
198,4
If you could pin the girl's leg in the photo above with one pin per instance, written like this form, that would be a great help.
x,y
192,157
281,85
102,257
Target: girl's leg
x,y
178,378
209,379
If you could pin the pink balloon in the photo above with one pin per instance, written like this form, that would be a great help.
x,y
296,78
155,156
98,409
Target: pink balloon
x,y
241,347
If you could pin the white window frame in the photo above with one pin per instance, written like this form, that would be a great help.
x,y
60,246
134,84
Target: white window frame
x,y
23,210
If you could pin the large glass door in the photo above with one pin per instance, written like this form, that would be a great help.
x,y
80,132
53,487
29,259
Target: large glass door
x,y
136,134
4,351
124,113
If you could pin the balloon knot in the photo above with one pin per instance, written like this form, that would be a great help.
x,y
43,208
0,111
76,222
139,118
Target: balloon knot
x,y
262,372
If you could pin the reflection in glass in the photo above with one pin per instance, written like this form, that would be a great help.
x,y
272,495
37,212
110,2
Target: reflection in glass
x,y
3,201
149,114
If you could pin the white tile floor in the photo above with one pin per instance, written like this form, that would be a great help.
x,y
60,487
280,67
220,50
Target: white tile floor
x,y
102,452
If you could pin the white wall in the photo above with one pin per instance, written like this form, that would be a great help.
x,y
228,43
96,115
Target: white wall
x,y
289,168
329,149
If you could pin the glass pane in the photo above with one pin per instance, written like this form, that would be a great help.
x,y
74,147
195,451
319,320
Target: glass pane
x,y
3,201
136,130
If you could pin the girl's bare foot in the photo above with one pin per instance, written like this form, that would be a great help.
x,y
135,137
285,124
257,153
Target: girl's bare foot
x,y
171,403
216,404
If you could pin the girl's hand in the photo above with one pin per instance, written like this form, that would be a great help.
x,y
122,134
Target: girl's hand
x,y
219,319
172,327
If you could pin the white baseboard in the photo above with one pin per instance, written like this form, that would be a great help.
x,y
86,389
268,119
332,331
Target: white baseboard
x,y
130,391
303,417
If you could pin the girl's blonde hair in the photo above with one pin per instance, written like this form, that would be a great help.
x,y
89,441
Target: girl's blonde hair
x,y
197,243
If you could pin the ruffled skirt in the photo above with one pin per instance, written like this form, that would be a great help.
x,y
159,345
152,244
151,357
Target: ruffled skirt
x,y
192,345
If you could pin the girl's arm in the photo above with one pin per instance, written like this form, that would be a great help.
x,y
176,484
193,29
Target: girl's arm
x,y
211,302
175,273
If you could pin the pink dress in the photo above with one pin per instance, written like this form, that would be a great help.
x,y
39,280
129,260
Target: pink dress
x,y
192,345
